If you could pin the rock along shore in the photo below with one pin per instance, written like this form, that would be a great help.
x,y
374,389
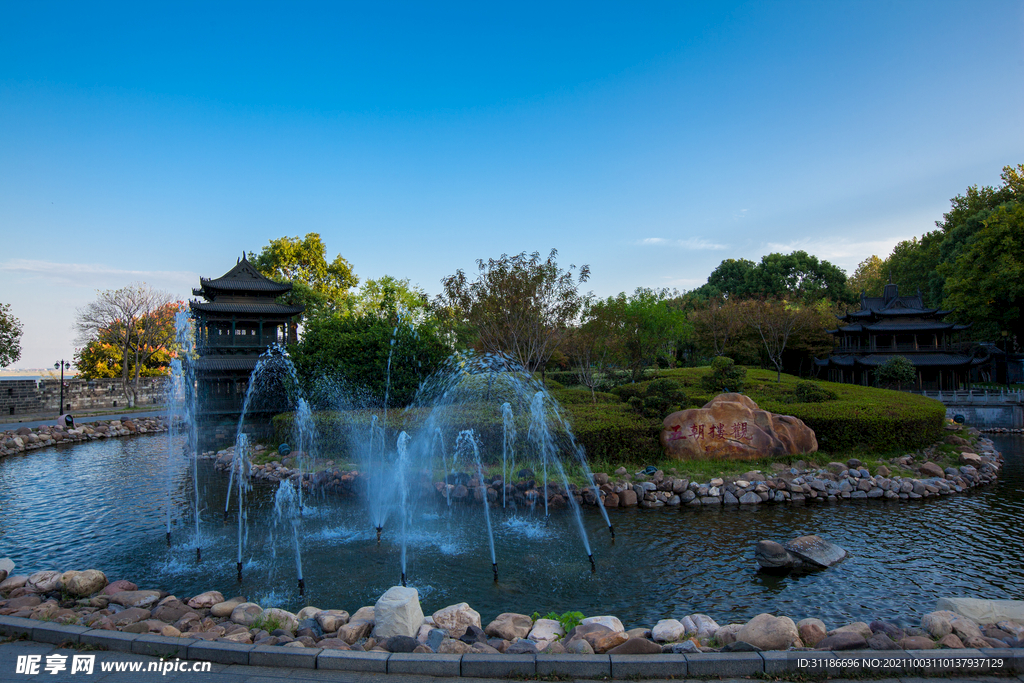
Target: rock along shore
x,y
397,624
31,438
800,485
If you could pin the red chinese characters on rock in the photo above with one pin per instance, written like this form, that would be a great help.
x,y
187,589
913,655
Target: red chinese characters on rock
x,y
732,427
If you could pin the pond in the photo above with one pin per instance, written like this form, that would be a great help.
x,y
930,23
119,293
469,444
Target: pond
x,y
103,505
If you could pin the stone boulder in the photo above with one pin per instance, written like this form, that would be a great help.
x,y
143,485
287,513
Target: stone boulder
x,y
6,566
984,611
206,600
509,626
611,622
636,646
84,584
398,613
455,618
331,620
13,583
732,427
668,631
805,552
118,586
843,640
546,629
701,624
224,609
246,613
769,632
135,598
285,619
44,582
812,631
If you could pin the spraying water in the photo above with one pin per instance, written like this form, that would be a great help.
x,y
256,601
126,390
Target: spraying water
x,y
467,441
241,463
286,513
403,495
508,446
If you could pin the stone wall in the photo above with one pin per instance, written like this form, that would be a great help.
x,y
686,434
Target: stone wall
x,y
1008,416
42,396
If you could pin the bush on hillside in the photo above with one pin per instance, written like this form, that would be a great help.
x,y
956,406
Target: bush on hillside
x,y
724,376
813,392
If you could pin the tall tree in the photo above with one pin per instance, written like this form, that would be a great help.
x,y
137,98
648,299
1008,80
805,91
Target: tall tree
x,y
641,326
518,305
320,285
10,336
775,322
869,278
717,322
137,320
985,272
388,297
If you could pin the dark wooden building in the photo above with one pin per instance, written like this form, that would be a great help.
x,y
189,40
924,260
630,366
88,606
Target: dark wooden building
x,y
236,322
894,325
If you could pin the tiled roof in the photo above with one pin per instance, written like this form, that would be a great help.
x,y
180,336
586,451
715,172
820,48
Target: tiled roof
x,y
246,309
244,277
209,363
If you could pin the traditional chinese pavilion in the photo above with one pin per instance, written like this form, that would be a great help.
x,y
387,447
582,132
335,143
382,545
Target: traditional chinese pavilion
x,y
238,319
894,325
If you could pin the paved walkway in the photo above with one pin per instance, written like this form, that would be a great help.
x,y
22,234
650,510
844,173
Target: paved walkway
x,y
80,419
221,673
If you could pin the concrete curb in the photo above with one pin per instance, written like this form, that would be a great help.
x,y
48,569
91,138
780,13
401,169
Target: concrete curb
x,y
713,664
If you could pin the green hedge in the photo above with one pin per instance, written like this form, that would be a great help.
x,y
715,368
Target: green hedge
x,y
865,419
859,418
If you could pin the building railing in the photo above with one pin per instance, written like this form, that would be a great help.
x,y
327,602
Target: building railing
x,y
977,396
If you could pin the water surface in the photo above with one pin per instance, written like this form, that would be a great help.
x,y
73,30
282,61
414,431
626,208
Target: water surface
x,y
103,504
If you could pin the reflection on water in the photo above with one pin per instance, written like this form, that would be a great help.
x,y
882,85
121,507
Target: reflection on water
x,y
102,505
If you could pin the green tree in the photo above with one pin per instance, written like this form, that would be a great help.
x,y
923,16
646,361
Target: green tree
x,y
717,323
895,373
519,305
356,350
794,276
724,375
912,265
869,278
387,296
320,285
640,327
985,272
10,336
776,322
732,278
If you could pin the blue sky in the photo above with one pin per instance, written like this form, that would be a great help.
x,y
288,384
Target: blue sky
x,y
157,141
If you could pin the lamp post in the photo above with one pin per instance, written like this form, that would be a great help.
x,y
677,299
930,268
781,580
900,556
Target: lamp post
x,y
61,365
1006,358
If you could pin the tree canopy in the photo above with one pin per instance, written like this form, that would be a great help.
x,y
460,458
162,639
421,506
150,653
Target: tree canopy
x,y
320,285
795,276
971,262
137,321
10,336
517,305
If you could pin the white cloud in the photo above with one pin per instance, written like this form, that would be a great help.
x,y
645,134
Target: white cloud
x,y
845,253
689,243
92,275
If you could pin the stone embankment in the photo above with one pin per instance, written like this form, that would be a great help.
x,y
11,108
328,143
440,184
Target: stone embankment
x,y
31,438
800,485
396,624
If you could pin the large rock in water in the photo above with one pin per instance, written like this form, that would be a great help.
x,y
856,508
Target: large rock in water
x,y
732,427
805,552
816,550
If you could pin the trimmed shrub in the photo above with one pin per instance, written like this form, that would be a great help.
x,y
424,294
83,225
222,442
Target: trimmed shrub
x,y
812,392
895,373
724,376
